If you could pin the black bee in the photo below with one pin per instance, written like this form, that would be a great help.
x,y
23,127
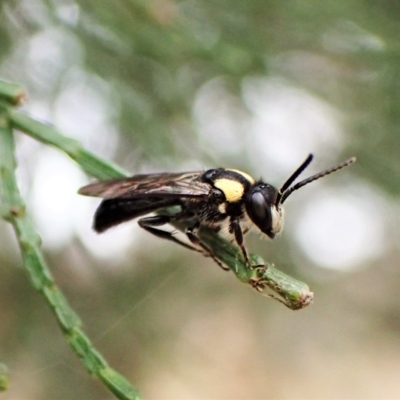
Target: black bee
x,y
214,199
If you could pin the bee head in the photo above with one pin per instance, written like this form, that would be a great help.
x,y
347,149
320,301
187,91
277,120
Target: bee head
x,y
264,203
262,209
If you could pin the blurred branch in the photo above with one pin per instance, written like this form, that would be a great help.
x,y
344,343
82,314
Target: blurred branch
x,y
90,163
13,210
3,377
11,93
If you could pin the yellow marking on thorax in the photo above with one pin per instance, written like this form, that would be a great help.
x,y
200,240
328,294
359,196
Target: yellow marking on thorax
x,y
245,176
232,190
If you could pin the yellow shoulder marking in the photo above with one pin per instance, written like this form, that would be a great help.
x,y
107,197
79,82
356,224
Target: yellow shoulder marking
x,y
245,176
232,190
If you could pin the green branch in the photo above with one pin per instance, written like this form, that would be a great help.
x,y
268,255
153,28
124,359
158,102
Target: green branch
x,y
11,93
89,162
264,278
13,210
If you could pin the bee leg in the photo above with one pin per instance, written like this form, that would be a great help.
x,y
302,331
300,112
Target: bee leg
x,y
149,223
190,233
234,227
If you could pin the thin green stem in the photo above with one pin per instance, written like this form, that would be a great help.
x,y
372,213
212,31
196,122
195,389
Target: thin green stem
x,y
291,292
89,162
263,277
13,210
11,93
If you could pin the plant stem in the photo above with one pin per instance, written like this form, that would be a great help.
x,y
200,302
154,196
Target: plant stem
x,y
89,162
13,210
11,93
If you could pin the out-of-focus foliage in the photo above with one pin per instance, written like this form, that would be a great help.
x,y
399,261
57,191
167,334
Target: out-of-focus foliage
x,y
3,378
156,55
171,85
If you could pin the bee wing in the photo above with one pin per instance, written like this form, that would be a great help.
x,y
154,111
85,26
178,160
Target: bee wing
x,y
149,185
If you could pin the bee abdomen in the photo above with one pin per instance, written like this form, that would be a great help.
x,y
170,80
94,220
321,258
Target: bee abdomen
x,y
112,212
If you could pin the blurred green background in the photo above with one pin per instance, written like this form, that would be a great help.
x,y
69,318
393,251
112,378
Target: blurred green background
x,y
170,85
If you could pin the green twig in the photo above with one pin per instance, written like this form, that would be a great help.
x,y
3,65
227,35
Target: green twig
x,y
89,162
11,93
13,210
292,293
263,277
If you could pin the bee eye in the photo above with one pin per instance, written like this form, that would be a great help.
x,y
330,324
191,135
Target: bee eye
x,y
259,211
259,203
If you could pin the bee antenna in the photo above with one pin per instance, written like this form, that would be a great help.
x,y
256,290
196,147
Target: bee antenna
x,y
285,194
292,178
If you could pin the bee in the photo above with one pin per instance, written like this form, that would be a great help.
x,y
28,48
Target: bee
x,y
215,198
